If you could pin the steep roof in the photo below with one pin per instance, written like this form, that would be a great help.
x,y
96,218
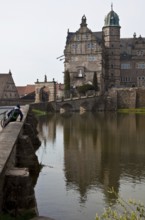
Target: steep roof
x,y
7,86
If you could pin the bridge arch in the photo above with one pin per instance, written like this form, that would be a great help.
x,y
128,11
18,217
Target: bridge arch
x,y
45,91
66,108
84,106
42,94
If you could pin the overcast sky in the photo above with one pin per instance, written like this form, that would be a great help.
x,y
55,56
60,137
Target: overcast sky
x,y
33,32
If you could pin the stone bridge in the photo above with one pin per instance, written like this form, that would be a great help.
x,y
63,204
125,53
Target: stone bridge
x,y
109,101
82,104
18,143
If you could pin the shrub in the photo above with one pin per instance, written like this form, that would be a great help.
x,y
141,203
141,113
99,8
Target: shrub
x,y
84,88
130,210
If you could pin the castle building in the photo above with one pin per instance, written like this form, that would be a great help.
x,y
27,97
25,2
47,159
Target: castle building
x,y
116,62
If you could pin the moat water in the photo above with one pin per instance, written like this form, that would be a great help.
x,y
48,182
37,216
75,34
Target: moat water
x,y
85,155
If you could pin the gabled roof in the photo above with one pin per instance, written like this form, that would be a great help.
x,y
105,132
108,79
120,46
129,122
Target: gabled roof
x,y
6,80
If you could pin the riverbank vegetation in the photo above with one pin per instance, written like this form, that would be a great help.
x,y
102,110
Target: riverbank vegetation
x,y
132,110
24,216
38,112
126,210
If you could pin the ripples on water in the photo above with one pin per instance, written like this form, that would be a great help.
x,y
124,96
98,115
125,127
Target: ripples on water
x,y
83,156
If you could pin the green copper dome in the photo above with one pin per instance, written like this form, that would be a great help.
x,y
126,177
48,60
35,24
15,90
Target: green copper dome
x,y
112,19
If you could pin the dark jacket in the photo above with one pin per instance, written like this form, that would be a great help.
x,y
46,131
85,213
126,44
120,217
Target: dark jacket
x,y
14,113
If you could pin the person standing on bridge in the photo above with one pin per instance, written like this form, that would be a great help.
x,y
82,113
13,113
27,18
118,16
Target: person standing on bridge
x,y
14,114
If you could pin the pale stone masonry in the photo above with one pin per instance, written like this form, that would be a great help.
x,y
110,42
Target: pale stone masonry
x,y
45,91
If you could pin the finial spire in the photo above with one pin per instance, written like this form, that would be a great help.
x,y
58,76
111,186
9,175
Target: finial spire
x,y
84,24
45,78
111,6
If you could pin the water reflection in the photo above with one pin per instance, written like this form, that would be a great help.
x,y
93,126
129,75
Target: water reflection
x,y
101,151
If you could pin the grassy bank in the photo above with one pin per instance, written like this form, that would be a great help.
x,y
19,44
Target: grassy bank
x,y
24,216
38,112
132,110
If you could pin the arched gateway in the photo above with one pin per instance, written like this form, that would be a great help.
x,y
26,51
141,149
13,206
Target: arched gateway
x,y
45,91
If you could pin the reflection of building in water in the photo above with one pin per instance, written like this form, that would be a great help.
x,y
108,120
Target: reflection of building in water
x,y
47,128
98,151
87,153
82,153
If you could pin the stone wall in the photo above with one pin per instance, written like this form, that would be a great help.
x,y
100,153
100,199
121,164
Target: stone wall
x,y
131,98
19,166
13,102
126,98
140,98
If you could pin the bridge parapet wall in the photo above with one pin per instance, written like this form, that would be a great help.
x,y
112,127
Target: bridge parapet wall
x,y
18,142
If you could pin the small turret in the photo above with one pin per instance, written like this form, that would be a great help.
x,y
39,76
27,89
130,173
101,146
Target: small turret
x,y
112,19
84,24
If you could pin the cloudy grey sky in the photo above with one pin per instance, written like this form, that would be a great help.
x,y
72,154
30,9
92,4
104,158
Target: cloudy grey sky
x,y
33,32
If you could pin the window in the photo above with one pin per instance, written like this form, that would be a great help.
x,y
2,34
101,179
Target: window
x,y
91,45
140,52
92,58
140,65
87,36
125,66
125,79
74,46
141,78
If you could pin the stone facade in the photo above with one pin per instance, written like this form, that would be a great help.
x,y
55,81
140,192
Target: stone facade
x,y
45,91
118,62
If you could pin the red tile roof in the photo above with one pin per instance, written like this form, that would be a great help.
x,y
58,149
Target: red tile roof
x,y
25,90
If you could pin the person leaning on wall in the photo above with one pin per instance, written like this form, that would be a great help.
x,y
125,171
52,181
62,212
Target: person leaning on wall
x,y
14,114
